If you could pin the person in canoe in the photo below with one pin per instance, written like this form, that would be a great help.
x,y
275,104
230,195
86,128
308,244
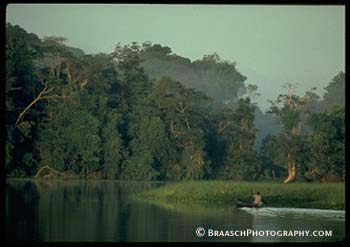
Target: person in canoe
x,y
257,201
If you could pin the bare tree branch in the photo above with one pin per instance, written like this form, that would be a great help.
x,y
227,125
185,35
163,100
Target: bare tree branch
x,y
182,109
223,126
42,95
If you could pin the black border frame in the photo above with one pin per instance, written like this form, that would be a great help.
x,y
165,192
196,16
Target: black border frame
x,y
345,242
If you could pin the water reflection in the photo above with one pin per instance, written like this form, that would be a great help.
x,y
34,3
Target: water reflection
x,y
76,210
22,200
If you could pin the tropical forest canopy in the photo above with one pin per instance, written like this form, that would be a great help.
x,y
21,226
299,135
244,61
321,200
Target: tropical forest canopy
x,y
144,113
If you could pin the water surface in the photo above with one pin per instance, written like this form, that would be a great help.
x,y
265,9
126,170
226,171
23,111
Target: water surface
x,y
103,211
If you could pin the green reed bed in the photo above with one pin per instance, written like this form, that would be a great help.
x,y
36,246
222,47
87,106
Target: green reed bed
x,y
301,195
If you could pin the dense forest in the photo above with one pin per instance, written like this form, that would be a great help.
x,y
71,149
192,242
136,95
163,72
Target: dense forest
x,y
144,113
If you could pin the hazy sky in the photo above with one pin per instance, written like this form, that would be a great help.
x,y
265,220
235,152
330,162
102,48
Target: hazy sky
x,y
272,45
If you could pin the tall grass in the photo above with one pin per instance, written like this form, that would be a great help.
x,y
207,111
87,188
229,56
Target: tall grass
x,y
301,195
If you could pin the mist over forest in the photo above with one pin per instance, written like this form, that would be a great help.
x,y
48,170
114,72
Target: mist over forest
x,y
145,113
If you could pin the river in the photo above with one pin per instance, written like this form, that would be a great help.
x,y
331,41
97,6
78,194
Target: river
x,y
102,211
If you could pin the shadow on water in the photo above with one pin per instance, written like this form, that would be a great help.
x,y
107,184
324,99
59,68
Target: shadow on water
x,y
94,210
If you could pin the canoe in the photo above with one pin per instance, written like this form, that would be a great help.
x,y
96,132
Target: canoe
x,y
246,204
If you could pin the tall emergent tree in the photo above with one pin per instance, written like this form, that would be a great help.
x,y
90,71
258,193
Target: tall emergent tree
x,y
288,107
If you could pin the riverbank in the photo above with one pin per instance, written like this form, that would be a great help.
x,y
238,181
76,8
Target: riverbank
x,y
225,193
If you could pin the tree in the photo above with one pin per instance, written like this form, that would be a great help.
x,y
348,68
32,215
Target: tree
x,y
149,147
21,88
335,92
70,139
112,145
145,132
326,144
241,161
273,156
288,107
182,110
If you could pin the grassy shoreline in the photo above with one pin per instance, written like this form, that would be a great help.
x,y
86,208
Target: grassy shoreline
x,y
225,193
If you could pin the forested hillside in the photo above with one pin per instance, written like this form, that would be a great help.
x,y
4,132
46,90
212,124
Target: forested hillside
x,y
143,113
